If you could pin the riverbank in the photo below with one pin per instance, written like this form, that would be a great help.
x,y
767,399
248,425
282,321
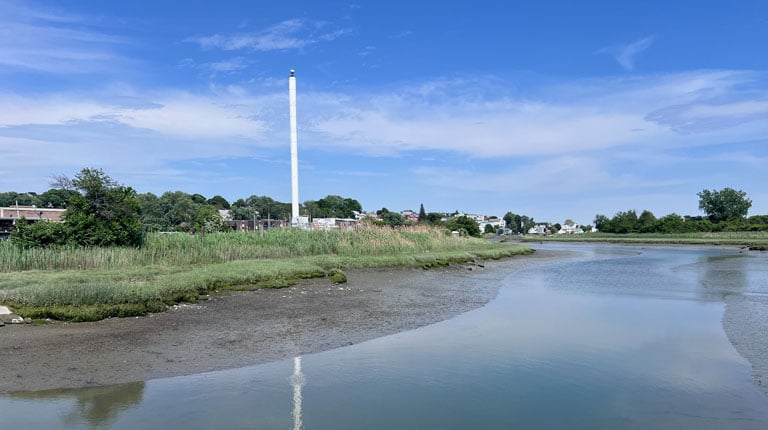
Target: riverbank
x,y
757,241
90,284
249,327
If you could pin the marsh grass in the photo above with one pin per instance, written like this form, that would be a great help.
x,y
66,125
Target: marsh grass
x,y
95,283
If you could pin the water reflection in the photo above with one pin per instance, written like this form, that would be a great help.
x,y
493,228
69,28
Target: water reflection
x,y
725,274
297,382
623,338
98,407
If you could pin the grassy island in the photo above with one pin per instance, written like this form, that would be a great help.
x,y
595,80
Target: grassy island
x,y
86,284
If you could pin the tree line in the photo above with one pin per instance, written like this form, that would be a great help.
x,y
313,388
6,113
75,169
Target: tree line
x,y
102,212
726,210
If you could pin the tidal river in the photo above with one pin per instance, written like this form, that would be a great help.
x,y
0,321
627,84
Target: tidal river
x,y
612,337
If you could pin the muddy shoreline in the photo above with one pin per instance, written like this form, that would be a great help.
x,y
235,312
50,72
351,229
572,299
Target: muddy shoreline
x,y
247,328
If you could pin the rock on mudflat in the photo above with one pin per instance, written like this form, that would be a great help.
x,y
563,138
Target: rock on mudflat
x,y
6,316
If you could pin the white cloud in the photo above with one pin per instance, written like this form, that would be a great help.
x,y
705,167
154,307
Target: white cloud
x,y
627,54
552,140
175,114
231,65
464,116
289,34
51,41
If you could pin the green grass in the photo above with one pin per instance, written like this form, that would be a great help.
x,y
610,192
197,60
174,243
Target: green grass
x,y
753,240
96,283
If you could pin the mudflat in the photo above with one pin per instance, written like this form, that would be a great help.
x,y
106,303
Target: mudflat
x,y
246,328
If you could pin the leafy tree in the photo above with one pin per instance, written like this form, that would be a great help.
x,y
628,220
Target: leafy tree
x,y
105,213
724,205
489,229
586,228
333,206
569,222
512,222
179,210
392,219
601,222
434,217
518,223
40,233
56,198
465,225
23,199
624,222
152,214
208,220
262,206
646,222
422,213
556,227
199,199
218,202
672,223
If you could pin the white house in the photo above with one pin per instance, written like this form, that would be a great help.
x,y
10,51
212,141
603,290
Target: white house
x,y
538,229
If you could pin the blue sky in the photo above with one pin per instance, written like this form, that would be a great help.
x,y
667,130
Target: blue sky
x,y
553,109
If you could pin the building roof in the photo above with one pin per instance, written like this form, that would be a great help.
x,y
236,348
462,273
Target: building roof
x,y
31,212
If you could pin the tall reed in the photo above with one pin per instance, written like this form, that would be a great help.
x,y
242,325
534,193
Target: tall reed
x,y
183,249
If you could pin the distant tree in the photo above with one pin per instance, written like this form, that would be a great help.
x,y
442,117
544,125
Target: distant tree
x,y
646,222
11,198
434,217
518,223
208,220
152,215
624,222
179,210
586,228
512,222
465,225
333,206
392,219
422,213
672,223
105,213
264,207
199,199
569,222
240,210
489,229
56,198
218,202
555,227
724,205
601,222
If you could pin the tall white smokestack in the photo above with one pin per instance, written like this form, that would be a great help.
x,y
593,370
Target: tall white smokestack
x,y
294,152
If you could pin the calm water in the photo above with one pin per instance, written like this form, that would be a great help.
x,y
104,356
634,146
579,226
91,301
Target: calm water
x,y
614,338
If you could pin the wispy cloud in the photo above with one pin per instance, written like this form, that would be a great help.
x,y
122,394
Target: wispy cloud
x,y
286,35
51,41
627,54
582,116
